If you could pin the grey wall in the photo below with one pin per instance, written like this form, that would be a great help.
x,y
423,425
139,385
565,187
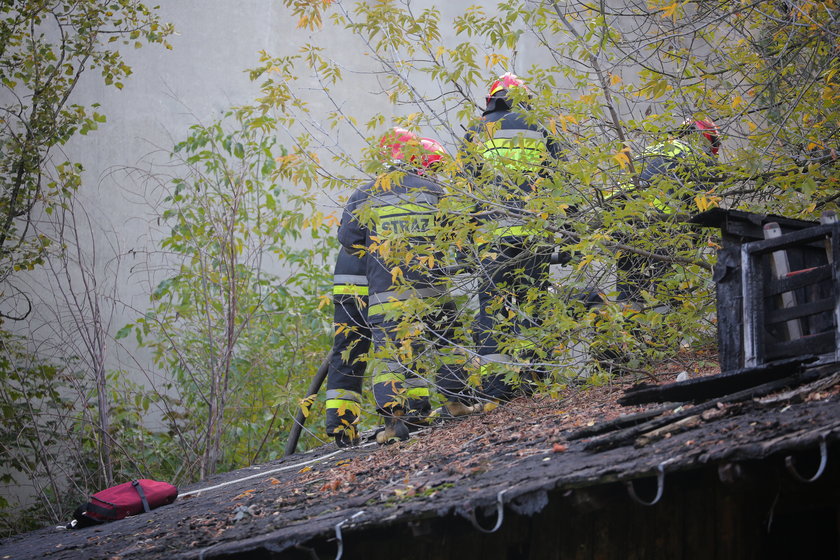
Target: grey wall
x,y
169,90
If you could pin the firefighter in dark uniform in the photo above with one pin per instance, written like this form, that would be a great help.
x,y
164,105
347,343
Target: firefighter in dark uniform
x,y
684,165
678,168
402,202
510,157
350,347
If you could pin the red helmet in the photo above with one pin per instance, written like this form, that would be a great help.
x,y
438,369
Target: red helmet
x,y
402,145
707,128
506,81
433,151
394,140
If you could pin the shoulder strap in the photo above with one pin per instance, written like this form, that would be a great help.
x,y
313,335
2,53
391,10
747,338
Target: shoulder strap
x,y
136,485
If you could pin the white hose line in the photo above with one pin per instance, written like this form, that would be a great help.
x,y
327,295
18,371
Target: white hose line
x,y
266,473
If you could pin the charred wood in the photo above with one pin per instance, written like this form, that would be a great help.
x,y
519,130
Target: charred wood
x,y
714,386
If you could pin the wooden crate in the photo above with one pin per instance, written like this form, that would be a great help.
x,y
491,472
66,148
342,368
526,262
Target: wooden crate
x,y
739,228
796,310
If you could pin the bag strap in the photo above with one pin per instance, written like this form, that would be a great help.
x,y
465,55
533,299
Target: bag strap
x,y
107,513
136,485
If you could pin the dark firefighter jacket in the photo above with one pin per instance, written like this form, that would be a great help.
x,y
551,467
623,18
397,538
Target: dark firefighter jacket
x,y
514,154
349,277
407,207
686,167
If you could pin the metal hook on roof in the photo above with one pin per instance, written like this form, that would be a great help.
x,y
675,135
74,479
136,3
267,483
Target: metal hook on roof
x,y
338,535
790,463
500,515
660,486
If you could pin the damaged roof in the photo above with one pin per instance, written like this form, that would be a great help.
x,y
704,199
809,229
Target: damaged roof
x,y
514,458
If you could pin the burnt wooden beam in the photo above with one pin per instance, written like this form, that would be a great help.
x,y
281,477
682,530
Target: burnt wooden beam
x,y
822,342
621,422
713,386
629,435
746,225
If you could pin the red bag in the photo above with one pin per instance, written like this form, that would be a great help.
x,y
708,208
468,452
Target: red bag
x,y
130,498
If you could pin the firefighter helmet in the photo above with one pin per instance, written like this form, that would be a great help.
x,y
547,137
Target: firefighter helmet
x,y
393,143
403,146
707,128
433,150
505,82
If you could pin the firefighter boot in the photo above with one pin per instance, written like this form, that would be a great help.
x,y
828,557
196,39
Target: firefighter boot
x,y
488,406
346,438
395,430
452,409
418,413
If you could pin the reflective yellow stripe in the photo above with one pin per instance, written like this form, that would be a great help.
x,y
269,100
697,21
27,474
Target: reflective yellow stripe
x,y
669,149
389,377
662,206
382,308
349,406
517,153
350,289
417,392
507,231
408,208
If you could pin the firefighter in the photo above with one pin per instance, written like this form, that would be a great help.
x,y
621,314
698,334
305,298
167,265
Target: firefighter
x,y
510,158
350,347
684,165
678,168
685,160
401,206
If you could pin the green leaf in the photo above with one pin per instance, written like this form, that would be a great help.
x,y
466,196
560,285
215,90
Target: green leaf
x,y
124,332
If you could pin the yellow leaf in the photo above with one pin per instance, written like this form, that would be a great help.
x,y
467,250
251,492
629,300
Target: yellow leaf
x,y
306,403
615,79
324,299
669,11
704,202
585,261
622,157
304,470
737,101
396,272
383,182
